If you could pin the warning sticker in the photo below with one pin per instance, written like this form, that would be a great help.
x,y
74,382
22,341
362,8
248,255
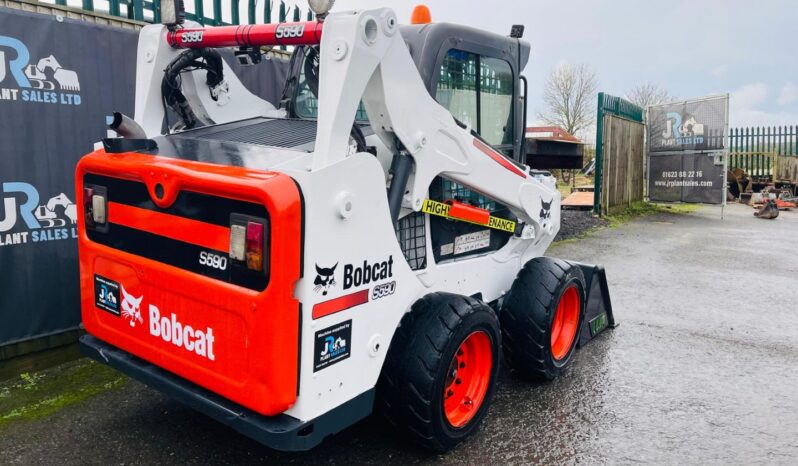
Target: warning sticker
x,y
332,345
106,295
442,210
447,249
471,241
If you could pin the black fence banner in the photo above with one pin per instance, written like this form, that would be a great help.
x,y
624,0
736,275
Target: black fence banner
x,y
687,150
692,125
59,78
687,177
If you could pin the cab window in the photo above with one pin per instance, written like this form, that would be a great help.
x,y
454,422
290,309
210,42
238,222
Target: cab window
x,y
478,91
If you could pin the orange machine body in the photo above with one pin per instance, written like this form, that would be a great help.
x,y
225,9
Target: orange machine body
x,y
144,290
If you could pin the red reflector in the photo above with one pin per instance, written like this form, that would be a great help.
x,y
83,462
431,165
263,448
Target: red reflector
x,y
88,194
468,213
255,246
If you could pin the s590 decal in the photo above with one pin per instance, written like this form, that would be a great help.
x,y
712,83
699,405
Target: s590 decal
x,y
289,31
212,260
381,291
191,36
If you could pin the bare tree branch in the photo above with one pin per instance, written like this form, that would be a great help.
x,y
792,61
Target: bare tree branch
x,y
569,97
648,94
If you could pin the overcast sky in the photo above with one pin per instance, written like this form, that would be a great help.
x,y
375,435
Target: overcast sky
x,y
690,47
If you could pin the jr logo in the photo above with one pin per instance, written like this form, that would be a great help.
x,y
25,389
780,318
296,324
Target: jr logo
x,y
333,347
22,218
39,82
682,132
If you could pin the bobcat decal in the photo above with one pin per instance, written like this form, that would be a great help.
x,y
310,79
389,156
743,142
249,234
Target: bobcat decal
x,y
545,209
325,278
130,307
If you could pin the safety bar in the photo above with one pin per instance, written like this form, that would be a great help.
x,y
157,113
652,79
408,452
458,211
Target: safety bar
x,y
250,35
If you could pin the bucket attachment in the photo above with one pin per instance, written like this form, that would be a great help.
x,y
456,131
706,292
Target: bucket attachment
x,y
598,308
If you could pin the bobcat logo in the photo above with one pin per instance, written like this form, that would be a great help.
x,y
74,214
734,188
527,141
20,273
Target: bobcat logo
x,y
130,307
545,209
325,278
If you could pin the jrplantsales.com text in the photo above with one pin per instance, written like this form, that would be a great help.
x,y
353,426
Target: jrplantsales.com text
x,y
683,184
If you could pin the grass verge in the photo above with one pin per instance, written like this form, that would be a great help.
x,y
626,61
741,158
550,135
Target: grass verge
x,y
641,209
36,395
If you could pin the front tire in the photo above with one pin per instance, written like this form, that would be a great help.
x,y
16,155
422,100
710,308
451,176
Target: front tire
x,y
441,369
541,317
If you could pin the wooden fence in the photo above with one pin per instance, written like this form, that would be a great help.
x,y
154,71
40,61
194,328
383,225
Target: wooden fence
x,y
620,152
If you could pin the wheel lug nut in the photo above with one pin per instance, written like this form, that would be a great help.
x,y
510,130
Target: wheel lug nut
x,y
450,393
459,352
458,381
462,365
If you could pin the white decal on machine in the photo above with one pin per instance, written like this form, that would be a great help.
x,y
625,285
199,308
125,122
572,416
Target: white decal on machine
x,y
173,331
472,241
191,36
289,31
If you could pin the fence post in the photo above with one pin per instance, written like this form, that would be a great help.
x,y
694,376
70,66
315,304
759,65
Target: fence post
x,y
199,12
138,10
235,15
599,153
217,13
267,11
251,11
282,18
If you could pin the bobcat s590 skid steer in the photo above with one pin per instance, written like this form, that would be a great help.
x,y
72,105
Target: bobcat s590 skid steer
x,y
371,244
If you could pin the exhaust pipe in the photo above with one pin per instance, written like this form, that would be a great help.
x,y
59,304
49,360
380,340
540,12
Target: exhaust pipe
x,y
125,127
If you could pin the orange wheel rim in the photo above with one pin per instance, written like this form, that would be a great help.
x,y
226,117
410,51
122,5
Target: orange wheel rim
x,y
468,379
565,323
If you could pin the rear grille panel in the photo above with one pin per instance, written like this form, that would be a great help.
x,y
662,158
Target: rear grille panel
x,y
287,133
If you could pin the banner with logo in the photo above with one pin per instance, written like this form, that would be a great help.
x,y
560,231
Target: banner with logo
x,y
59,78
690,125
686,150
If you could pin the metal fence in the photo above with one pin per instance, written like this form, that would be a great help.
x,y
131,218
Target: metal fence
x,y
755,150
222,12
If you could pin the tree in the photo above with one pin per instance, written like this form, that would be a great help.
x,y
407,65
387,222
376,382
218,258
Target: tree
x,y
569,97
648,94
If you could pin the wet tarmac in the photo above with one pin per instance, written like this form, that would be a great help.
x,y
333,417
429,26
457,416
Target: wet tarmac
x,y
702,370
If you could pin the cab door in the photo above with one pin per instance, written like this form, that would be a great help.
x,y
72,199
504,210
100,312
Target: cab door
x,y
479,90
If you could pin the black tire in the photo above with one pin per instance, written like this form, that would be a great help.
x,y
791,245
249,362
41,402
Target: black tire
x,y
528,312
414,377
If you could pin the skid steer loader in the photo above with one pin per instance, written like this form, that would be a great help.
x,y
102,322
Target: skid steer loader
x,y
370,244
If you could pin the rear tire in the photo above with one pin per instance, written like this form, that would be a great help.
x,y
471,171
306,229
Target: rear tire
x,y
541,317
441,369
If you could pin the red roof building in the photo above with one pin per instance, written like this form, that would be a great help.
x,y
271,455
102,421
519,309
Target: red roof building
x,y
550,133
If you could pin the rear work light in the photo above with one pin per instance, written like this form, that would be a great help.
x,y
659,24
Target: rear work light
x,y
95,206
248,242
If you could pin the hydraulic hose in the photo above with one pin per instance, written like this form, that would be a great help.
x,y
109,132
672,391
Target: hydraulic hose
x,y
171,85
